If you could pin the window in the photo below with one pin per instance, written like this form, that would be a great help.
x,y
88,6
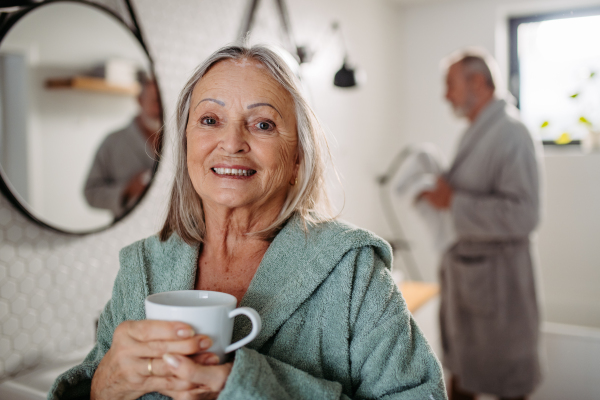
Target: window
x,y
555,73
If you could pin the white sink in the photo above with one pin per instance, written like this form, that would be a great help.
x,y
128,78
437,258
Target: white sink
x,y
35,384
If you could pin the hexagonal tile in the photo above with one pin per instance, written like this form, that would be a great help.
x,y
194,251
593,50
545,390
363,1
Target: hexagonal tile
x,y
39,335
59,241
27,285
77,275
63,311
52,263
65,345
4,347
14,234
49,348
17,269
3,309
62,277
8,290
7,253
10,326
32,231
56,329
42,246
32,357
54,296
35,265
29,320
25,250
70,291
82,340
47,315
78,307
21,342
37,301
68,258
44,281
18,305
13,363
5,216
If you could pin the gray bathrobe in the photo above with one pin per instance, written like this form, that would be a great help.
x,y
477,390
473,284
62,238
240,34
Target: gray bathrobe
x,y
489,314
121,156
334,323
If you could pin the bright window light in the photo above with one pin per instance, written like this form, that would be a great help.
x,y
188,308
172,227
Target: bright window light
x,y
559,68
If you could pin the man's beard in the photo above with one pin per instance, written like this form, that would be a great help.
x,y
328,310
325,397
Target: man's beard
x,y
463,110
151,124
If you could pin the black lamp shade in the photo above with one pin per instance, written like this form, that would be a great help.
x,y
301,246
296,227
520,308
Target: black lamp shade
x,y
345,77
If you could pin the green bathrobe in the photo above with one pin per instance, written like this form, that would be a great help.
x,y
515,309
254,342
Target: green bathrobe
x,y
334,323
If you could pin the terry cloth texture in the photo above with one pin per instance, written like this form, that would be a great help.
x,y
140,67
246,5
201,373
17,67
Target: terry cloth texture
x,y
334,323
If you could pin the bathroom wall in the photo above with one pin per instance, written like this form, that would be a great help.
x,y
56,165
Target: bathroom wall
x,y
53,286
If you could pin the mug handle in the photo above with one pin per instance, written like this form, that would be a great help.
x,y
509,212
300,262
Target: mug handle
x,y
256,325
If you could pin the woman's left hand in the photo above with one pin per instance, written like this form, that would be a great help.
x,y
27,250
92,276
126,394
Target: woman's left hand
x,y
209,379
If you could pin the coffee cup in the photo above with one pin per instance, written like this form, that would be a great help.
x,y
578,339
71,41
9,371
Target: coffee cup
x,y
209,313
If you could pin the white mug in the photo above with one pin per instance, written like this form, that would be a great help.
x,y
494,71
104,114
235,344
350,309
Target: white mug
x,y
209,313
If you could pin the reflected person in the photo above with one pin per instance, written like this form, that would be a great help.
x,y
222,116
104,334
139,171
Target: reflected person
x,y
489,314
125,161
249,216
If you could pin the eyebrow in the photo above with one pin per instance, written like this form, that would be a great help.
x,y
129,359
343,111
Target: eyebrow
x,y
264,104
219,102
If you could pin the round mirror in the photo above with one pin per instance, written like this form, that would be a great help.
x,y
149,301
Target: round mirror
x,y
80,116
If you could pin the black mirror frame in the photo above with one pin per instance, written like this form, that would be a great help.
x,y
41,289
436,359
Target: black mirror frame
x,y
7,21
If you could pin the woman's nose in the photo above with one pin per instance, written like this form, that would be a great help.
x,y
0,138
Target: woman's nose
x,y
234,140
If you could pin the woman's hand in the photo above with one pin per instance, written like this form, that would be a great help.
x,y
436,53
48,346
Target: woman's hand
x,y
134,363
208,379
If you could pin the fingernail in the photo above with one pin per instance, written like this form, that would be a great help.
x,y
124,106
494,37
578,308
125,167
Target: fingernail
x,y
185,333
172,361
213,360
205,343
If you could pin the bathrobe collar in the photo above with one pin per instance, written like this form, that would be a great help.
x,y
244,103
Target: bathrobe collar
x,y
295,264
492,112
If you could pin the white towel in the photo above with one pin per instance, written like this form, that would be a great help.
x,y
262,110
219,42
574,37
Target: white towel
x,y
419,172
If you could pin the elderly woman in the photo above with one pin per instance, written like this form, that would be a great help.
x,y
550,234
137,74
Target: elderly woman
x,y
248,216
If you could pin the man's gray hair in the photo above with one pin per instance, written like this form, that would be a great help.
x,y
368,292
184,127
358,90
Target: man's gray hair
x,y
474,60
308,198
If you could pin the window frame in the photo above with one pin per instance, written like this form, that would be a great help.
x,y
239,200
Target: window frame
x,y
514,82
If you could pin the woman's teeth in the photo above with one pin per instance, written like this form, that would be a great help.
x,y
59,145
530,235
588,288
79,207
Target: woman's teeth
x,y
234,172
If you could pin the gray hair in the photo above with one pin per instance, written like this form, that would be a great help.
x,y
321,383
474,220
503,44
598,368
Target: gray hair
x,y
474,61
308,198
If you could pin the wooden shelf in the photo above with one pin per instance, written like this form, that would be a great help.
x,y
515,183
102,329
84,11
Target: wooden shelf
x,y
92,84
416,294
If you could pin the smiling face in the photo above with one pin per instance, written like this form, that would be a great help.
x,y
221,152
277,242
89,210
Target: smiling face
x,y
242,142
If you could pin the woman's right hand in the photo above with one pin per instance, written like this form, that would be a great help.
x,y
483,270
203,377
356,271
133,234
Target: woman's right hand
x,y
124,372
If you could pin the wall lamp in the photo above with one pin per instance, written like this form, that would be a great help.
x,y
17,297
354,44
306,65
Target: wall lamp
x,y
345,77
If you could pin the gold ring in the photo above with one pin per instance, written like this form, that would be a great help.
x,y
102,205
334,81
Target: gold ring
x,y
150,366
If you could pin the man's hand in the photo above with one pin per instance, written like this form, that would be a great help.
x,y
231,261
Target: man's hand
x,y
136,187
440,197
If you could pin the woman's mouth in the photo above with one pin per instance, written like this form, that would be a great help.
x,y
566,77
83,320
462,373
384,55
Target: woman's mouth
x,y
233,171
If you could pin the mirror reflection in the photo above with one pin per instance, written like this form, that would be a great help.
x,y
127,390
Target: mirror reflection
x,y
80,114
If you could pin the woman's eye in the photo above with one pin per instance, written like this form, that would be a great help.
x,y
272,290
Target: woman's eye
x,y
265,126
209,121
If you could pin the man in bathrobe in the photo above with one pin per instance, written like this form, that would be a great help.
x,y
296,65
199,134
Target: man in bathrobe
x,y
489,315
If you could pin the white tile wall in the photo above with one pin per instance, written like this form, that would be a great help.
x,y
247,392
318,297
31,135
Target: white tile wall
x,y
53,286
